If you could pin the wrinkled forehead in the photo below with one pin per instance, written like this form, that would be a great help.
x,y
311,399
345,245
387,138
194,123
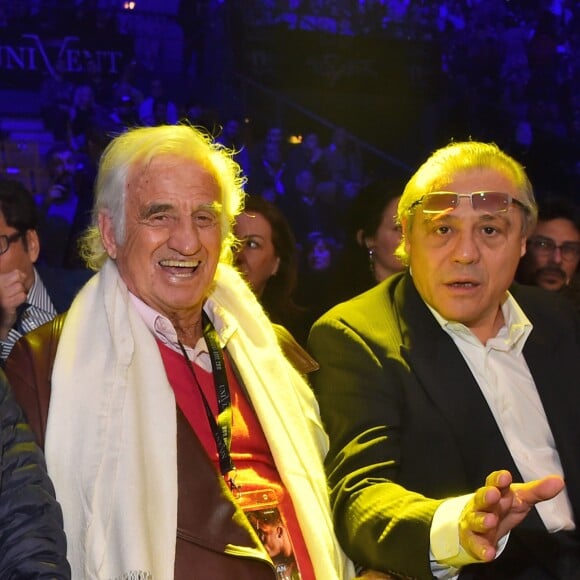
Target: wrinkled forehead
x,y
172,175
148,166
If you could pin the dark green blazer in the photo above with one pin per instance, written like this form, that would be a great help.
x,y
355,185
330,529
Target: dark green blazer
x,y
409,426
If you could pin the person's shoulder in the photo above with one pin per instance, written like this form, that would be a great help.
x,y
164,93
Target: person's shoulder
x,y
539,304
372,313
380,294
78,275
62,284
298,357
537,297
38,339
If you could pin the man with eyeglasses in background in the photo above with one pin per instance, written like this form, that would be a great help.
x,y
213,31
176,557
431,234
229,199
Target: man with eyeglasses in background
x,y
446,379
553,250
29,297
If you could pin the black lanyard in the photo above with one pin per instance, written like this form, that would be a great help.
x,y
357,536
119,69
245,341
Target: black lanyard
x,y
222,428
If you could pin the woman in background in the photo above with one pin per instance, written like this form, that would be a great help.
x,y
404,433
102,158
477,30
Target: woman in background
x,y
267,258
372,236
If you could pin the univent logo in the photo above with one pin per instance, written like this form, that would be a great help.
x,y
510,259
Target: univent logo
x,y
31,55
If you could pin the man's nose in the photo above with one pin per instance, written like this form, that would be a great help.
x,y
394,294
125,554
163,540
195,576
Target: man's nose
x,y
557,255
184,237
466,248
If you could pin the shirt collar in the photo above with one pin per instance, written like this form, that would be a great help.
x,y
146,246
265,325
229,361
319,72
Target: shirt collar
x,y
38,295
162,328
512,335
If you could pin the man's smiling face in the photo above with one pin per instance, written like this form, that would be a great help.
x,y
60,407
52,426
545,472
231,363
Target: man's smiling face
x,y
173,240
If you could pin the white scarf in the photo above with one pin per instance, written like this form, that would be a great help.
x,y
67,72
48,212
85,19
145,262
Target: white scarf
x,y
111,432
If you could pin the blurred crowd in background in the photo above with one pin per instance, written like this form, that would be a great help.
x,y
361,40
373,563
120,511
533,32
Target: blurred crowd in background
x,y
508,73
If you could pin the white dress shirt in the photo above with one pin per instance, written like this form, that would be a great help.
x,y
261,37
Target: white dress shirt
x,y
504,378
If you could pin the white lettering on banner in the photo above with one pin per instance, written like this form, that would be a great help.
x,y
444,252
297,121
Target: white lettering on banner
x,y
35,57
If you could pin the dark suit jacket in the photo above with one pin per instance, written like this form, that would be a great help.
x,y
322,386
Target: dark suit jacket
x,y
404,412
62,284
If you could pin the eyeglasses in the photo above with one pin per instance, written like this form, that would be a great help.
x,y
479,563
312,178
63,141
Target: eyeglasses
x,y
547,247
446,201
5,241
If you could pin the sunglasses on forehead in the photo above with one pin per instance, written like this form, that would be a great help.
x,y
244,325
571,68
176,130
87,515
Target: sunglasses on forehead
x,y
446,201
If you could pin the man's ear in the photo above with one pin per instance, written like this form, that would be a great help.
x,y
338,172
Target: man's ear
x,y
105,223
32,245
523,246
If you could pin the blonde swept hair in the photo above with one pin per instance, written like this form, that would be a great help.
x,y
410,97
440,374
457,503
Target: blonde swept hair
x,y
137,148
444,164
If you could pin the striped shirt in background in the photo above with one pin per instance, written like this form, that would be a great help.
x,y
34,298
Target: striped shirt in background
x,y
38,309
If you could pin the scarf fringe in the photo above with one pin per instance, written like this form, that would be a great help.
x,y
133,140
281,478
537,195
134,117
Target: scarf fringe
x,y
135,575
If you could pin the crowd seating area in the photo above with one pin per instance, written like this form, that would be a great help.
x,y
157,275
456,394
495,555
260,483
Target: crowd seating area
x,y
508,73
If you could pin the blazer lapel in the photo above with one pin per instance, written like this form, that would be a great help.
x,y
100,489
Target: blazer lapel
x,y
444,375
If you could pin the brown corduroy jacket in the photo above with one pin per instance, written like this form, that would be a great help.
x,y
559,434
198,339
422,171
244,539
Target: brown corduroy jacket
x,y
214,538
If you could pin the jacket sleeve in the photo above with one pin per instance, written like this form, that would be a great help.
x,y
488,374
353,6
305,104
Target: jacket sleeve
x,y
32,540
29,372
380,524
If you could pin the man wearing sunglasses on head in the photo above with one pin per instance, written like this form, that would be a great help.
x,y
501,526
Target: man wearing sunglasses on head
x,y
448,392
